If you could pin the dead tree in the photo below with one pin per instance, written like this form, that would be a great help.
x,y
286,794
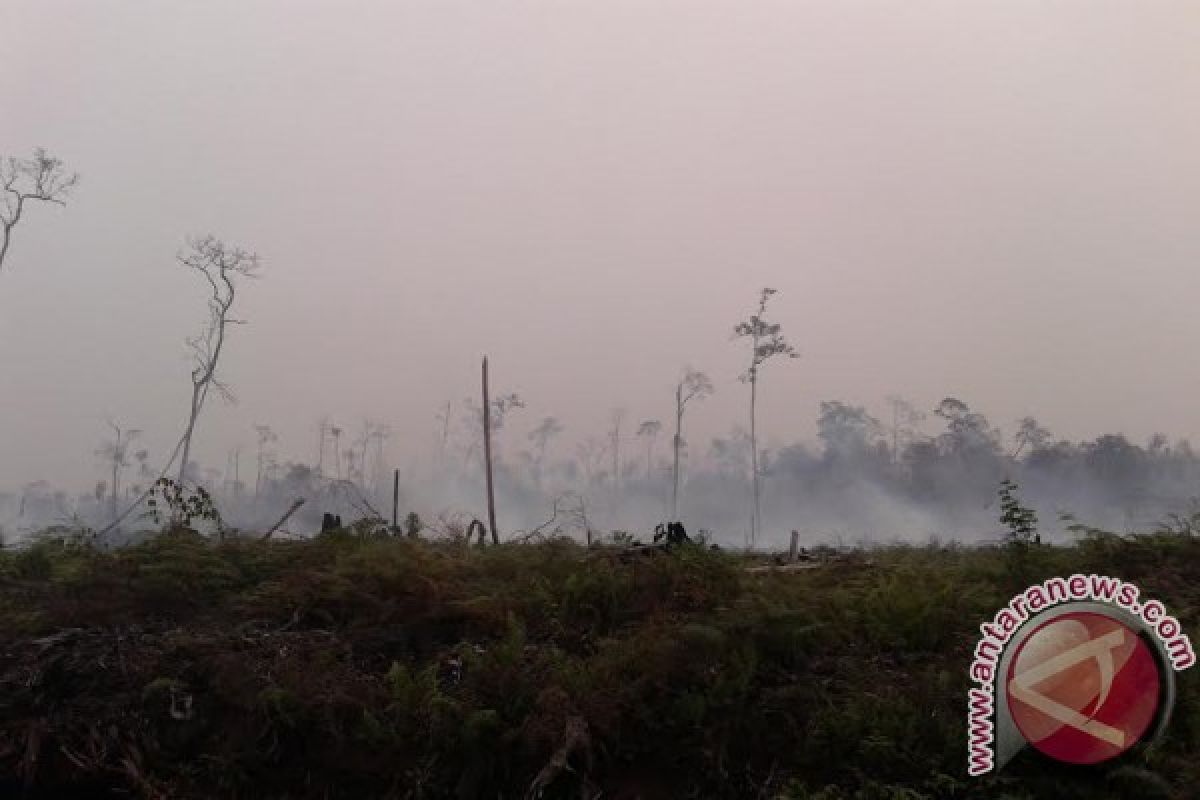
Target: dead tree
x,y
222,267
487,455
336,433
766,342
694,385
649,430
299,501
444,418
617,416
322,431
116,452
546,430
41,179
265,437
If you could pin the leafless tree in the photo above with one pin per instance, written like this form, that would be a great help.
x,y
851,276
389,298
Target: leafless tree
x,y
371,442
473,423
694,385
336,433
233,479
616,417
144,473
41,179
444,418
322,432
222,267
766,340
266,437
905,419
491,414
591,452
649,430
540,436
351,457
116,452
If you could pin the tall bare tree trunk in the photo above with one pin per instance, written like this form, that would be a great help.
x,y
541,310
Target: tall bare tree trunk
x,y
337,453
445,438
616,454
895,434
616,460
395,500
487,454
755,519
198,392
649,458
259,474
321,449
114,478
677,441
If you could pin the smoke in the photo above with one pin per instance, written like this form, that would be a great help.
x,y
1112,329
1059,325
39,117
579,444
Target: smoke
x,y
854,488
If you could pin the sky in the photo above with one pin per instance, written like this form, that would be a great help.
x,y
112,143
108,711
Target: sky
x,y
990,200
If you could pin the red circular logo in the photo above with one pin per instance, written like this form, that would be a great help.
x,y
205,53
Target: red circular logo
x,y
1083,688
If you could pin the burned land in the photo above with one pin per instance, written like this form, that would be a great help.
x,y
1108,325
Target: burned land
x,y
360,665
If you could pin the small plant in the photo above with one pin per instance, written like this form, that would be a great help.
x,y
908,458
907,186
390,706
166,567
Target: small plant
x,y
182,505
1020,520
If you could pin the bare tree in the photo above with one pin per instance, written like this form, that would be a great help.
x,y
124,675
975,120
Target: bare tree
x,y
322,432
731,453
693,385
905,418
614,437
222,267
144,472
540,436
336,433
590,453
473,422
236,486
40,179
486,414
371,442
766,340
649,430
116,452
266,437
444,418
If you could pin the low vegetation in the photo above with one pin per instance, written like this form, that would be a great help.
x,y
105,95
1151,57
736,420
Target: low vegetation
x,y
353,666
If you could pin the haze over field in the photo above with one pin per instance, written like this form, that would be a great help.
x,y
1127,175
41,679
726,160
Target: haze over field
x,y
989,202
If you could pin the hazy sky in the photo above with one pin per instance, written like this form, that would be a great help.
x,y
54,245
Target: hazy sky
x,y
992,200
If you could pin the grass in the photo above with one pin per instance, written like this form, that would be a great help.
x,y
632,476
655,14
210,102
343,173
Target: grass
x,y
392,667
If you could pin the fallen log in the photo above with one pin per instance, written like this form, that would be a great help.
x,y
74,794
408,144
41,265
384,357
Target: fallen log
x,y
287,515
785,567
